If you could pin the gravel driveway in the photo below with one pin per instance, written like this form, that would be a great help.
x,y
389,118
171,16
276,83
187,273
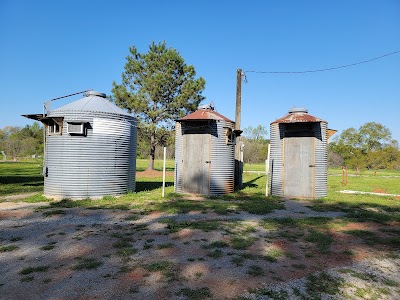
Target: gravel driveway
x,y
78,253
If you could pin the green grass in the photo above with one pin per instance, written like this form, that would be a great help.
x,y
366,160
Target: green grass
x,y
322,240
195,294
86,264
8,248
255,270
259,167
141,165
21,177
206,226
53,212
322,283
217,253
49,246
30,270
241,243
159,266
216,244
273,254
276,295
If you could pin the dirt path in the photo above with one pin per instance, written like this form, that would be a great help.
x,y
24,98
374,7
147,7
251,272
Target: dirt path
x,y
17,197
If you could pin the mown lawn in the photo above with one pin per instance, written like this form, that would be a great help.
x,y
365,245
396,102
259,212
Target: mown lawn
x,y
23,177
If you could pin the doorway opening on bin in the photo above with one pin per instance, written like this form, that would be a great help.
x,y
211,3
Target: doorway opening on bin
x,y
290,130
199,127
230,136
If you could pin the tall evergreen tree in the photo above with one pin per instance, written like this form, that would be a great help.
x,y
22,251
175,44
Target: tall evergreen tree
x,y
158,87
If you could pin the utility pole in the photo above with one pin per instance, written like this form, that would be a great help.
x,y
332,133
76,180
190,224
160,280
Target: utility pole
x,y
238,146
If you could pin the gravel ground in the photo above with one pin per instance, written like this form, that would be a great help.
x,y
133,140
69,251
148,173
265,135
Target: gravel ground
x,y
376,278
79,234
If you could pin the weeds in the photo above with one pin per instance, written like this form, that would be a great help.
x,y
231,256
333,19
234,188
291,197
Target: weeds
x,y
49,246
87,264
8,248
215,254
322,283
53,212
195,294
159,266
241,243
254,270
322,240
30,270
216,244
276,295
165,246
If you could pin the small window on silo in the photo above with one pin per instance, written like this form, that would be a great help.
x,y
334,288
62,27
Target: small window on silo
x,y
53,128
230,137
76,128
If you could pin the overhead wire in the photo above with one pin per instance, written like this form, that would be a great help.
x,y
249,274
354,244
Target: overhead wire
x,y
322,70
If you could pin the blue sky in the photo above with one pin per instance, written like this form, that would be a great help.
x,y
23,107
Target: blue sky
x,y
54,48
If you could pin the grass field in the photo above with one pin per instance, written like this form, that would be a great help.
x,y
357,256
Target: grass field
x,y
25,177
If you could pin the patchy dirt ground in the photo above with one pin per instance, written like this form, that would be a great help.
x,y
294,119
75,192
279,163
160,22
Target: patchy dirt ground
x,y
76,253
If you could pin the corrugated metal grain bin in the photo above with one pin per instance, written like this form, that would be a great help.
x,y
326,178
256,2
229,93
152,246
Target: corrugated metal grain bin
x,y
90,149
204,153
299,158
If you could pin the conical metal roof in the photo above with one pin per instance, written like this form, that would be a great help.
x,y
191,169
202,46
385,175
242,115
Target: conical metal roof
x,y
204,114
298,115
92,102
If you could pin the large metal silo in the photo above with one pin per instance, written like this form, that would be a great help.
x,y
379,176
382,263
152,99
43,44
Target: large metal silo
x,y
299,159
204,153
90,149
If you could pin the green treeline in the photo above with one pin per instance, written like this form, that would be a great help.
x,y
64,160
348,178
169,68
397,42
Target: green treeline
x,y
369,147
21,142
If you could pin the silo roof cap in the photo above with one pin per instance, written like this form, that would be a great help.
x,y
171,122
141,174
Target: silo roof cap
x,y
92,102
298,115
204,114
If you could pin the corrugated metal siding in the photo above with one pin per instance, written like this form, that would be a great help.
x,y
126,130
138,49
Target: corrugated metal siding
x,y
178,159
101,163
276,160
222,171
320,188
321,162
222,156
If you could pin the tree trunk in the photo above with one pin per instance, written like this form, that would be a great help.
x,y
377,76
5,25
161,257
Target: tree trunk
x,y
152,151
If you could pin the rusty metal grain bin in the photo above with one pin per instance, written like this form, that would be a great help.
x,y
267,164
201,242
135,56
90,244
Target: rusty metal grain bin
x,y
90,149
204,153
299,159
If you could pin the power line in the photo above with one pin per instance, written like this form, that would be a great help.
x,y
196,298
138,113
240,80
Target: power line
x,y
323,70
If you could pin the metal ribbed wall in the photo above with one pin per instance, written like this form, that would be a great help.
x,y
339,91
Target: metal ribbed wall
x,y
321,162
321,159
222,170
178,159
222,156
101,163
276,157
